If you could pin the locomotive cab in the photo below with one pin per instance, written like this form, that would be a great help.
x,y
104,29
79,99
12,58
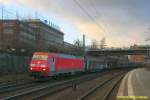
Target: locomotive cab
x,y
40,65
44,65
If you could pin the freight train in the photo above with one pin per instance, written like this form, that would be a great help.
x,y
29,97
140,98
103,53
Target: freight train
x,y
45,64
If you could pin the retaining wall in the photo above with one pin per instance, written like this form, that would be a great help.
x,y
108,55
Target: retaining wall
x,y
10,63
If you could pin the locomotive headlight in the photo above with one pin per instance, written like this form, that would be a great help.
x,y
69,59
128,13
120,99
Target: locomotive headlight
x,y
44,69
31,68
32,65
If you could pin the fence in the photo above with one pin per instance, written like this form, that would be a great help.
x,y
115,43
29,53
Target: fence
x,y
10,64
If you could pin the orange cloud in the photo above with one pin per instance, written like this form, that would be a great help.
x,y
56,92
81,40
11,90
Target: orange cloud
x,y
90,29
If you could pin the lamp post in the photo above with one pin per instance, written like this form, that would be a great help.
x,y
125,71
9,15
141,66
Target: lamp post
x,y
148,49
148,55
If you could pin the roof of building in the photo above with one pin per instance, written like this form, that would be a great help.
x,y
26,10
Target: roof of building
x,y
44,24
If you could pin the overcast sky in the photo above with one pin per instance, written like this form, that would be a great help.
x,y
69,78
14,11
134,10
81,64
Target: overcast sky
x,y
121,22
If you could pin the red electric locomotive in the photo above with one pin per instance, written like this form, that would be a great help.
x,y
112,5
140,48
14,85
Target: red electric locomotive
x,y
44,64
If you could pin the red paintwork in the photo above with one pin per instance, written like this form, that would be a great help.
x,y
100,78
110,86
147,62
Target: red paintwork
x,y
69,64
62,64
38,63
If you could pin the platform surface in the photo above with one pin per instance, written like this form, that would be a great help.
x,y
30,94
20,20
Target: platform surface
x,y
136,84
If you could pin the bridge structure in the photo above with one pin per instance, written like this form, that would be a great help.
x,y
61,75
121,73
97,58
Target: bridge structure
x,y
118,52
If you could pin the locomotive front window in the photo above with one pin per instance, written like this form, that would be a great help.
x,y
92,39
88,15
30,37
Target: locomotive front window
x,y
40,57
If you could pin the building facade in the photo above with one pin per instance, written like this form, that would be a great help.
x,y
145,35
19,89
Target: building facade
x,y
28,35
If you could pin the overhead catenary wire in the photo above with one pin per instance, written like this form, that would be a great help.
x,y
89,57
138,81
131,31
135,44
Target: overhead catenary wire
x,y
89,16
98,14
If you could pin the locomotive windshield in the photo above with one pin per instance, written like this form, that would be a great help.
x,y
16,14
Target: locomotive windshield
x,y
40,57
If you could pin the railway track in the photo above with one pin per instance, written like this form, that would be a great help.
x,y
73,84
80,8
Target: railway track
x,y
13,86
10,88
59,92
11,83
33,92
107,87
62,87
40,91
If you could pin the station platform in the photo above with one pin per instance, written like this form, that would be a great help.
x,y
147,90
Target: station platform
x,y
135,85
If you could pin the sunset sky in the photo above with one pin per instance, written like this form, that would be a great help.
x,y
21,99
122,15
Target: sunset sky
x,y
121,22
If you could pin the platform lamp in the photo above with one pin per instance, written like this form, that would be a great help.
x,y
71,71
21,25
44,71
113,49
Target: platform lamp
x,y
85,50
148,49
148,54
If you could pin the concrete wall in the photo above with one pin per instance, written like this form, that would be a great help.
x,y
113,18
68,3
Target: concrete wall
x,y
10,63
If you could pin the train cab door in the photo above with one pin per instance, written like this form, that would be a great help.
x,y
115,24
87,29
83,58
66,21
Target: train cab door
x,y
52,66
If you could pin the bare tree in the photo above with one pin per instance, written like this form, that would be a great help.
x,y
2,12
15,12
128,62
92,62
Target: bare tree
x,y
103,43
94,44
78,43
148,32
